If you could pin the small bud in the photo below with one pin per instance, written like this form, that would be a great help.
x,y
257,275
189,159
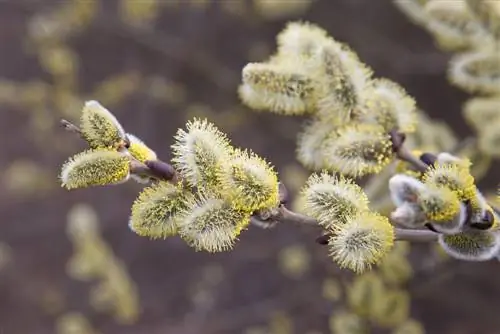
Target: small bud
x,y
95,168
387,104
332,200
99,127
363,241
471,245
476,72
410,215
456,177
201,153
404,188
154,210
359,149
139,150
310,143
211,224
282,88
250,182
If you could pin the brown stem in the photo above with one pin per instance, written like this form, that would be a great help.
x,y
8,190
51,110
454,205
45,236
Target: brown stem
x,y
284,215
402,152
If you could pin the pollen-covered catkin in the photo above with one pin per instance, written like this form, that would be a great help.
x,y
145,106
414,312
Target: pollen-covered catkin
x,y
359,149
95,168
282,88
99,126
333,200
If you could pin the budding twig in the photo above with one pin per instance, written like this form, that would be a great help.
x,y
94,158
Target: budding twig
x,y
402,152
160,170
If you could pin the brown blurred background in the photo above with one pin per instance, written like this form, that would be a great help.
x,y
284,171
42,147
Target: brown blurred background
x,y
155,69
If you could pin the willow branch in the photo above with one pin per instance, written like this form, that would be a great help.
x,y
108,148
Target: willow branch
x,y
404,154
284,215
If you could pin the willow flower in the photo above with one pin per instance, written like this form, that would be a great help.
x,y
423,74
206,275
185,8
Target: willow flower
x,y
386,103
282,87
454,25
95,168
472,245
480,112
414,10
250,182
301,39
333,200
154,210
365,294
211,224
99,126
456,177
393,309
341,79
310,143
139,150
362,242
476,72
439,203
488,13
453,225
200,153
409,214
359,149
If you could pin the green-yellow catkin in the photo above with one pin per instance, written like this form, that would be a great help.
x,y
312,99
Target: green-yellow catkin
x,y
95,168
211,224
362,242
301,39
333,200
139,150
200,153
310,143
283,87
341,78
488,13
360,149
386,103
250,183
99,126
439,203
74,323
480,112
472,245
154,210
453,25
365,294
274,10
395,268
393,308
343,322
476,72
409,326
414,9
489,139
454,176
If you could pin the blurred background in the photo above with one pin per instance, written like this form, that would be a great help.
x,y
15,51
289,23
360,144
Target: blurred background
x,y
155,65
